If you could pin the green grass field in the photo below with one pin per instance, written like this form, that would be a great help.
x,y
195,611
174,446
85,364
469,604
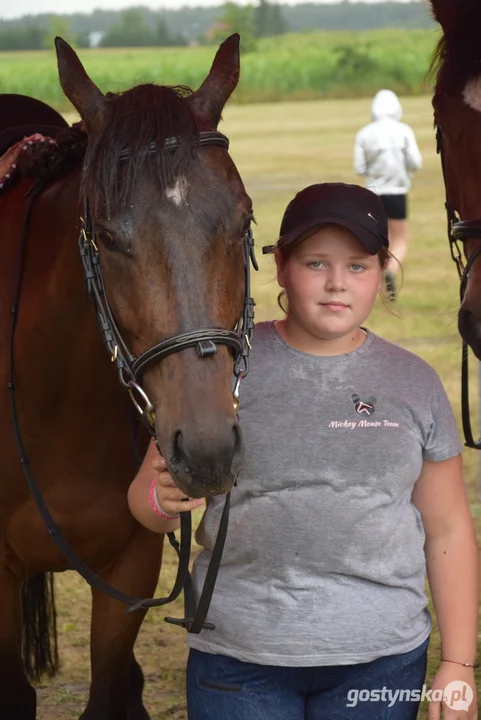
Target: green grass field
x,y
279,148
296,66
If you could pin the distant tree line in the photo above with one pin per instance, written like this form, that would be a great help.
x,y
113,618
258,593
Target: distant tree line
x,y
133,31
130,30
141,26
252,22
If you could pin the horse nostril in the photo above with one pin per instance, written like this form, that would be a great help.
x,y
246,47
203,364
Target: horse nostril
x,y
237,436
238,454
177,452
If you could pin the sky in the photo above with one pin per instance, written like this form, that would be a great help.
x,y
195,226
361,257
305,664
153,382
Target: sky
x,y
17,8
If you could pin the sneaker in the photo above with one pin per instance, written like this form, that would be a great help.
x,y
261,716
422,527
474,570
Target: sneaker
x,y
390,282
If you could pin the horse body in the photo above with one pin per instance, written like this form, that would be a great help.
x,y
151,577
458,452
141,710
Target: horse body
x,y
74,419
176,265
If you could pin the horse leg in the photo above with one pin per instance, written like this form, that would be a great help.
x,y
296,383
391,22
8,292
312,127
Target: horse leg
x,y
136,710
18,699
115,692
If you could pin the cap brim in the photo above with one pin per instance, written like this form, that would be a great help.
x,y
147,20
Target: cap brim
x,y
372,243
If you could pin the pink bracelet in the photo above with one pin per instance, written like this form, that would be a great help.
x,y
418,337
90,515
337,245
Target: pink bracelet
x,y
154,503
456,662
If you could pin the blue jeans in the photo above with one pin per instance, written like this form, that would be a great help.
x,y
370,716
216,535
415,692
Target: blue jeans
x,y
223,688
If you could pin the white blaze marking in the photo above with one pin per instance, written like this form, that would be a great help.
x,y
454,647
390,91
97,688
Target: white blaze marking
x,y
472,93
178,192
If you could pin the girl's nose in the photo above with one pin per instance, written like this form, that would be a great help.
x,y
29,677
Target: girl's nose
x,y
336,279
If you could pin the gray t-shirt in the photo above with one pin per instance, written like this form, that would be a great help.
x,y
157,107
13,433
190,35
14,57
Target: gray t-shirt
x,y
324,559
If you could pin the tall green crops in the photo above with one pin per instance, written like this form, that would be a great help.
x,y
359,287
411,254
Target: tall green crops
x,y
296,66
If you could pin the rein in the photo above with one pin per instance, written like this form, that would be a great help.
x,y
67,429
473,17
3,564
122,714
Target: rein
x,y
130,370
460,230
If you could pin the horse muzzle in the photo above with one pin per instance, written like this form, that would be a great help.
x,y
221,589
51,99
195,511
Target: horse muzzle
x,y
206,464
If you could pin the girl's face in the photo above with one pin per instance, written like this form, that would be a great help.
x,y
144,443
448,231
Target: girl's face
x,y
331,283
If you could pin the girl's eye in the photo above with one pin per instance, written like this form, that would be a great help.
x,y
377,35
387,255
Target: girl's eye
x,y
356,267
316,264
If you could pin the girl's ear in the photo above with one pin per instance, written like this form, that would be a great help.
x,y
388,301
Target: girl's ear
x,y
381,281
280,265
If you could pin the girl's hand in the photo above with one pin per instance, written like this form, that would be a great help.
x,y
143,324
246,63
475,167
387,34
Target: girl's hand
x,y
170,498
458,686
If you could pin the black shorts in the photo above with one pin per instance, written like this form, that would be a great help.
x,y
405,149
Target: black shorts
x,y
396,206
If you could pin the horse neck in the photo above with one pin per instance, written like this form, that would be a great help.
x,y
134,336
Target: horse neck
x,y
52,270
53,298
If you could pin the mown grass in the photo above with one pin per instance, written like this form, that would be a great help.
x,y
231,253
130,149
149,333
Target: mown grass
x,y
280,149
294,66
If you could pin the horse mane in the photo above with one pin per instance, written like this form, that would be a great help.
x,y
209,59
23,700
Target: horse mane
x,y
136,118
457,57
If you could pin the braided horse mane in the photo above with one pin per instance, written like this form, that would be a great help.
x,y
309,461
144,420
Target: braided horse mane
x,y
46,161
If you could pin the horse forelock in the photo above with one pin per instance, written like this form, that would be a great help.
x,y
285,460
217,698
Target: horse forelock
x,y
457,58
137,118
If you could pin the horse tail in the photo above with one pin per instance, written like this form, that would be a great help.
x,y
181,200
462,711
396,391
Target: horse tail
x,y
39,627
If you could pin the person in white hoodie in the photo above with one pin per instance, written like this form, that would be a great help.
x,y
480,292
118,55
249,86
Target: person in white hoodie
x,y
387,154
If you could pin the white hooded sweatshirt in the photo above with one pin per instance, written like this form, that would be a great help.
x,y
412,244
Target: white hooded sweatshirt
x,y
386,151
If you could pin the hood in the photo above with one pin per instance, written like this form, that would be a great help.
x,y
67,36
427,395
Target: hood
x,y
386,104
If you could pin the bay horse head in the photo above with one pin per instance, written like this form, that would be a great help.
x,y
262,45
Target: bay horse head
x,y
167,214
457,113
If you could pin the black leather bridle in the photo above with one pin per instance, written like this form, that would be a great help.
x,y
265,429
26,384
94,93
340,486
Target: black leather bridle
x,y
459,231
130,370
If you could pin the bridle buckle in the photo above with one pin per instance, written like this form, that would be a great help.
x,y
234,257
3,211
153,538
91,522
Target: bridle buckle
x,y
236,391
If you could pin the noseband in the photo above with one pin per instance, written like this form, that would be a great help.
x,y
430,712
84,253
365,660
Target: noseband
x,y
459,231
130,370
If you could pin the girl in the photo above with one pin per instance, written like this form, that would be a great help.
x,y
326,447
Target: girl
x,y
351,485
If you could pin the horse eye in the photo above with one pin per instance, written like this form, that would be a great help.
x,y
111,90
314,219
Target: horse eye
x,y
246,227
107,239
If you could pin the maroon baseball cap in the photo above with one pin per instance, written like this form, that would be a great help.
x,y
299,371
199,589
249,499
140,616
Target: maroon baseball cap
x,y
359,210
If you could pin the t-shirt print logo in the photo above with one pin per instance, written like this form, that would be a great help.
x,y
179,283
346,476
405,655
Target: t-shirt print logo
x,y
363,407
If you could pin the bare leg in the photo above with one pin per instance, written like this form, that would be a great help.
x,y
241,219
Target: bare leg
x,y
114,632
398,243
17,696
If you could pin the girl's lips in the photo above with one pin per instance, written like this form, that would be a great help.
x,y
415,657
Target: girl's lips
x,y
335,307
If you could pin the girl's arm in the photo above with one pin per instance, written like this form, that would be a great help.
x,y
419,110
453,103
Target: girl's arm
x,y
452,564
150,508
412,154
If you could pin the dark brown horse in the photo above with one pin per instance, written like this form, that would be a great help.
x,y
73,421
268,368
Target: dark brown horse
x,y
169,228
457,110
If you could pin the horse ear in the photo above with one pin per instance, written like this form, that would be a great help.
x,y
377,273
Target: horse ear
x,y
221,80
77,86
